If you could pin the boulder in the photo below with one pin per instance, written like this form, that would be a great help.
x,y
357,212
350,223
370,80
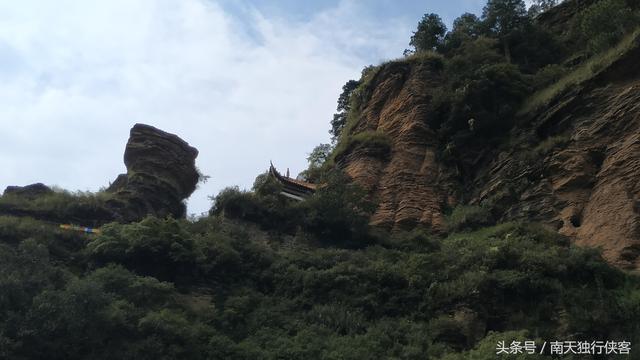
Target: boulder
x,y
161,174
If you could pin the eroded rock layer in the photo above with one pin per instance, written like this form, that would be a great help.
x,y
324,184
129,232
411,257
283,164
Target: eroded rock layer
x,y
587,184
573,164
407,183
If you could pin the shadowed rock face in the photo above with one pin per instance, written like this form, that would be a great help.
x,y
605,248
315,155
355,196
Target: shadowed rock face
x,y
587,186
161,173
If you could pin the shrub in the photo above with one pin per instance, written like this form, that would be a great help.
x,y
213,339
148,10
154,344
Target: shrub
x,y
545,146
432,59
265,205
158,247
139,290
467,217
15,229
548,75
490,96
61,206
605,22
418,240
581,74
338,213
218,258
250,299
338,318
78,315
372,143
170,334
486,349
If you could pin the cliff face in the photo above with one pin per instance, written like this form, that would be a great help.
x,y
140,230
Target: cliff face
x,y
408,183
573,164
586,185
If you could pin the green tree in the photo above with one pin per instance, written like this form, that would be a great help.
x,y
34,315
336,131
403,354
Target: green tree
x,y
344,101
319,155
82,316
604,23
502,18
233,203
430,33
158,247
532,47
468,24
316,159
467,27
469,57
540,6
276,210
490,96
338,212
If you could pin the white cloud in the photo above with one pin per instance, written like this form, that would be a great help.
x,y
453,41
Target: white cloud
x,y
75,76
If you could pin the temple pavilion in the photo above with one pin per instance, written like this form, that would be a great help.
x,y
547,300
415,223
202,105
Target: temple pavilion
x,y
293,188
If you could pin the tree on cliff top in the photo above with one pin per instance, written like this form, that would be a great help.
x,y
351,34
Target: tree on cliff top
x,y
467,27
316,159
504,17
605,22
344,101
430,33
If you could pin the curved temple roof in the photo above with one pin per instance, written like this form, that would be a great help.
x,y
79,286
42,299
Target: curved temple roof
x,y
293,188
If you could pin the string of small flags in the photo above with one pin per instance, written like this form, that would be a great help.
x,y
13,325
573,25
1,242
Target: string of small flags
x,y
86,230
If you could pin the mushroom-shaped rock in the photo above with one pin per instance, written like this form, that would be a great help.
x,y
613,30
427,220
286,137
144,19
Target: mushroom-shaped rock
x,y
161,174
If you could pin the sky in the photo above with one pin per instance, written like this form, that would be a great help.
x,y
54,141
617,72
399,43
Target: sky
x,y
244,81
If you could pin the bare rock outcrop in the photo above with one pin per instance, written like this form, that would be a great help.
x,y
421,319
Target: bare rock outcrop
x,y
161,174
407,183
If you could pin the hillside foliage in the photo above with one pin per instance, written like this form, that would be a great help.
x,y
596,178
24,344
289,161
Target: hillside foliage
x,y
224,289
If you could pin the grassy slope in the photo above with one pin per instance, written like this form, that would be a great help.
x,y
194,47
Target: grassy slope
x,y
582,73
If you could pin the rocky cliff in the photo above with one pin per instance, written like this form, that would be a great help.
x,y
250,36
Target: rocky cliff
x,y
161,174
407,184
583,181
572,162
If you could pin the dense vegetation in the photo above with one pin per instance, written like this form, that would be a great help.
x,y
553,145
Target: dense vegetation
x,y
60,205
264,277
338,213
224,289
